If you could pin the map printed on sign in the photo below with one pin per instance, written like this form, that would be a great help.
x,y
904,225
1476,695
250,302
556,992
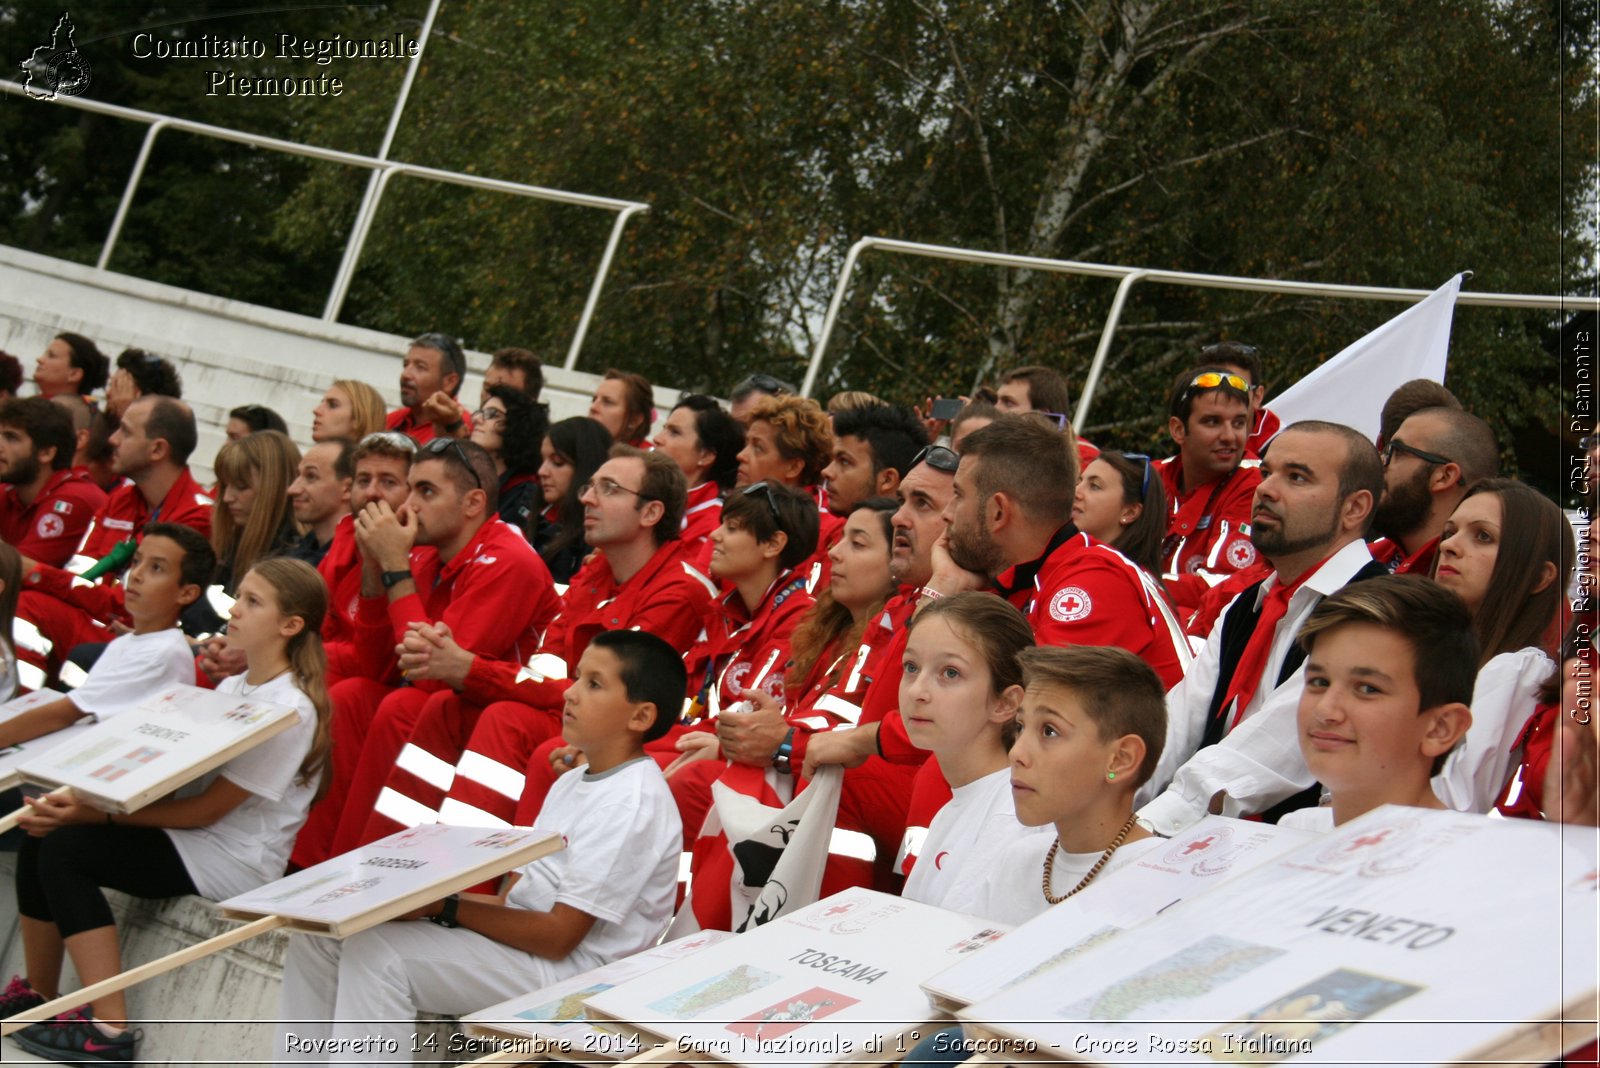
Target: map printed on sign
x,y
1212,851
556,1016
833,982
124,763
392,876
1371,944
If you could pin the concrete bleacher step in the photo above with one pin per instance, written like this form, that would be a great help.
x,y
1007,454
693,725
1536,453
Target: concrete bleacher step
x,y
217,1010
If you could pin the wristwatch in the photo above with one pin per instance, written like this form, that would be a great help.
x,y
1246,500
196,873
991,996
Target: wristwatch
x,y
780,759
446,916
391,579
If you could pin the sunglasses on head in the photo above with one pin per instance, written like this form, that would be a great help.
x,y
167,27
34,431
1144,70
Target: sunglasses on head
x,y
765,490
1144,461
441,446
937,457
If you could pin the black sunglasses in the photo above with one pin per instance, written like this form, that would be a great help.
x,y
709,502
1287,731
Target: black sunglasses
x,y
441,446
937,457
766,491
1395,444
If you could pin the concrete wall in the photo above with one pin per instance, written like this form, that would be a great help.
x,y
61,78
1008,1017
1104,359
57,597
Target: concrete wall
x,y
229,352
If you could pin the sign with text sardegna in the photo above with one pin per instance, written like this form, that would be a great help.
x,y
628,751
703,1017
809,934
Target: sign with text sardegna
x,y
13,757
392,876
833,983
1200,859
555,1018
169,740
1407,936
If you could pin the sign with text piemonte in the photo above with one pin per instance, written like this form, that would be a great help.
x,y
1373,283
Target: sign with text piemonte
x,y
1200,859
167,741
831,983
390,877
1407,936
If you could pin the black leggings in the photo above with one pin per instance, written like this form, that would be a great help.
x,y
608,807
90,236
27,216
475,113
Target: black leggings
x,y
60,875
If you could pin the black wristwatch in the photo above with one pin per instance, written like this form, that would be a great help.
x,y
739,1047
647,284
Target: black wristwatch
x,y
391,579
446,916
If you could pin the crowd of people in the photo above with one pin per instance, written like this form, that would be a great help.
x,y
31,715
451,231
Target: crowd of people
x,y
1027,655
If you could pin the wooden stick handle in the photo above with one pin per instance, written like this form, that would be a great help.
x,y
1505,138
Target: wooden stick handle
x,y
8,822
123,980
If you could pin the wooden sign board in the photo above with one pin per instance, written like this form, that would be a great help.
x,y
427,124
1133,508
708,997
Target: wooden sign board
x,y
1407,936
554,1022
13,757
833,983
390,877
175,737
1200,859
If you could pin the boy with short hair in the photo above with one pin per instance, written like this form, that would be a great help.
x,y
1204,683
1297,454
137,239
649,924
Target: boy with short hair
x,y
1091,729
1390,666
609,894
170,570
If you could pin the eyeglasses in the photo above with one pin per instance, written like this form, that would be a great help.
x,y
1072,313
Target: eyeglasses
x,y
765,383
1395,444
610,487
1217,379
1058,418
441,446
765,490
939,458
489,415
392,438
1144,485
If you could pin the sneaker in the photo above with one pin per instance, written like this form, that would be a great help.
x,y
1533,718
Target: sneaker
x,y
18,996
75,1038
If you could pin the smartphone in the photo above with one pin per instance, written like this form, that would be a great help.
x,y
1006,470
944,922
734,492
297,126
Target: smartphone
x,y
946,408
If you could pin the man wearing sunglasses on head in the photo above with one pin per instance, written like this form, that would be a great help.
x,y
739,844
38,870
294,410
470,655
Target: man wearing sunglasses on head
x,y
482,582
1209,483
1427,466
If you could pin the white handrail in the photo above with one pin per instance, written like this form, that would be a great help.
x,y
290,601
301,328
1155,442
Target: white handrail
x,y
1129,277
383,170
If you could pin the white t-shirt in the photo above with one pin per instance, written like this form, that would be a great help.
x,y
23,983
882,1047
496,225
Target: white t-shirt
x,y
132,668
620,866
973,828
1014,890
249,846
1316,820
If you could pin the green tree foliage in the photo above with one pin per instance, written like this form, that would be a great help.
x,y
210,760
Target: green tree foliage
x,y
1355,142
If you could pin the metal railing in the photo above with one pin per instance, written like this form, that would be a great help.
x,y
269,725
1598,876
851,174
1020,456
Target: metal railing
x,y
1131,276
384,171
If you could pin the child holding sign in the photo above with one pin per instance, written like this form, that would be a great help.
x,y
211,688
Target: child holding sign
x,y
1390,668
170,570
960,690
608,895
221,836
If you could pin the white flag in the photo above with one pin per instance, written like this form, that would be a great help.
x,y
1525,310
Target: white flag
x,y
1351,387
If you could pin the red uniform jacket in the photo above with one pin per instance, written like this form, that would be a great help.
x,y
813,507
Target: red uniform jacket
x,y
701,515
740,649
341,571
1084,593
50,529
1266,426
1392,556
124,516
420,431
1208,531
667,598
496,595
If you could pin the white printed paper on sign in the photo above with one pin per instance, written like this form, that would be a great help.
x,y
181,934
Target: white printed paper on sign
x,y
124,763
555,1018
13,757
392,876
1197,861
835,981
1408,936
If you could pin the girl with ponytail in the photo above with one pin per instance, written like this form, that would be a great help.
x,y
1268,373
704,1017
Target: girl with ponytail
x,y
227,833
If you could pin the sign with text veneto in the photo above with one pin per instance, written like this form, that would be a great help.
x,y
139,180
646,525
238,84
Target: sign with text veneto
x,y
554,1020
1407,936
1199,860
830,983
390,877
13,757
173,738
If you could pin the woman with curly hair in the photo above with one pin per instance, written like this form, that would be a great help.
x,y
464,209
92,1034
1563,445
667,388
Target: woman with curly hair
x,y
509,427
